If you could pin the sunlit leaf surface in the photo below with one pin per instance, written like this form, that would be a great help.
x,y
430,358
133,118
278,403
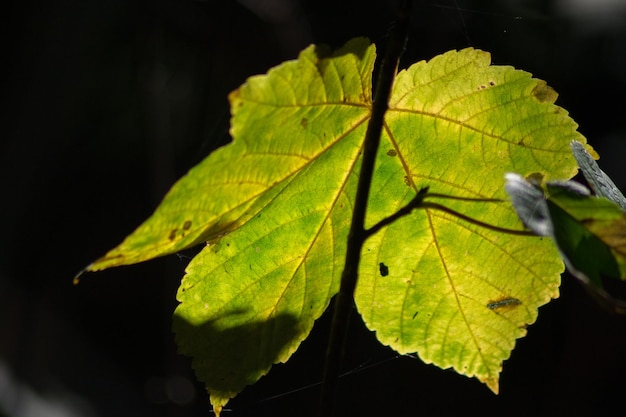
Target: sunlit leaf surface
x,y
458,294
275,207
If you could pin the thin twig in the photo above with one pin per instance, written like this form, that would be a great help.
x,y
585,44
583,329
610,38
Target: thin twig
x,y
423,194
411,205
454,197
437,206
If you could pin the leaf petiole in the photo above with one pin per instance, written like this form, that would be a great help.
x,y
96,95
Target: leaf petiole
x,y
418,202
437,206
454,197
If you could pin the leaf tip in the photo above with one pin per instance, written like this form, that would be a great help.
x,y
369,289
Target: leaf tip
x,y
493,384
217,410
76,279
218,400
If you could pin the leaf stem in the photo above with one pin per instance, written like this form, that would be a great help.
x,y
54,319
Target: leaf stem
x,y
418,202
411,205
454,197
437,206
357,235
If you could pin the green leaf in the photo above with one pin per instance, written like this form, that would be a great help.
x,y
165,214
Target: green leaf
x,y
457,124
283,123
276,274
275,207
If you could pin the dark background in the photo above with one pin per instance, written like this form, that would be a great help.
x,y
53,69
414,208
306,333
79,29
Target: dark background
x,y
107,103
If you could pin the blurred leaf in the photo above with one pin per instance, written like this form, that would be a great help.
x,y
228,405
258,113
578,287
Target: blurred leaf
x,y
589,231
601,184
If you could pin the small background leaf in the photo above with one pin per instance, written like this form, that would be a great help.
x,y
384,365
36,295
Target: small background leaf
x,y
601,183
590,231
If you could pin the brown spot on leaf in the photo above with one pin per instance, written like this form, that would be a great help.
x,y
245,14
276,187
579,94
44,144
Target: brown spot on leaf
x,y
187,225
304,122
505,302
535,178
172,234
544,93
392,152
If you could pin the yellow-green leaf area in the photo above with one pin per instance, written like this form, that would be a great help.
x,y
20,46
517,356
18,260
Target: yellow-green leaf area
x,y
280,122
274,207
456,293
249,298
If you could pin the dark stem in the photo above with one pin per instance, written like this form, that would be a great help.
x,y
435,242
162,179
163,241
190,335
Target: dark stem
x,y
454,197
418,202
411,205
437,206
357,234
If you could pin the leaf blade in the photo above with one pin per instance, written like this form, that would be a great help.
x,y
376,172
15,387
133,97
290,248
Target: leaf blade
x,y
457,124
284,264
180,222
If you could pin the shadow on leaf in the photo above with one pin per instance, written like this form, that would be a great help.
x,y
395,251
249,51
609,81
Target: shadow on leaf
x,y
229,354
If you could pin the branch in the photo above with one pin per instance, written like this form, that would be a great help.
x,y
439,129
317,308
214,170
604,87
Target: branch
x,y
357,234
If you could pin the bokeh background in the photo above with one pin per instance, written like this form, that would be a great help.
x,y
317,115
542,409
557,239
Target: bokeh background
x,y
107,103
